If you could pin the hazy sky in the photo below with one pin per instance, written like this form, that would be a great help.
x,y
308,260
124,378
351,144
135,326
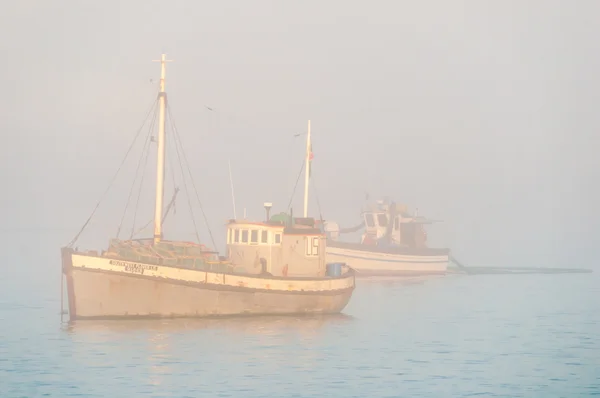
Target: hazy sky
x,y
480,113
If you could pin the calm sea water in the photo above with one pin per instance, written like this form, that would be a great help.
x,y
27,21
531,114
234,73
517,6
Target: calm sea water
x,y
457,336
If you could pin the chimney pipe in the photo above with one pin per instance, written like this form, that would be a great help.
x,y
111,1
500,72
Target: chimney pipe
x,y
268,206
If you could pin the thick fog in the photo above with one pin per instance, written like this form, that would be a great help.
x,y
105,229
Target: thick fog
x,y
481,114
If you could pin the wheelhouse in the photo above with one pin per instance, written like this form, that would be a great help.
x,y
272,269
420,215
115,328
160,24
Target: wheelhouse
x,y
292,247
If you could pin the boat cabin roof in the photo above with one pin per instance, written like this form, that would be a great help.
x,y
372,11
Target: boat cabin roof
x,y
269,225
301,226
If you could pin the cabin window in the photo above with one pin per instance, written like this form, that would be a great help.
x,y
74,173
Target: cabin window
x,y
382,220
228,236
236,236
264,235
244,236
254,236
312,246
277,238
370,220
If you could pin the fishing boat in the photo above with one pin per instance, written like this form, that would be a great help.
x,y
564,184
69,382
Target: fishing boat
x,y
394,243
274,268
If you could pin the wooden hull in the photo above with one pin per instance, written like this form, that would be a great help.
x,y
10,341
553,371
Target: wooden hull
x,y
387,263
106,288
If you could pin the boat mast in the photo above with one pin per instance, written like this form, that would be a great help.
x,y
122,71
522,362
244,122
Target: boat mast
x,y
307,170
160,161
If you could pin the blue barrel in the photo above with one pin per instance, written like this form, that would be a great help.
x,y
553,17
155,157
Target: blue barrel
x,y
334,269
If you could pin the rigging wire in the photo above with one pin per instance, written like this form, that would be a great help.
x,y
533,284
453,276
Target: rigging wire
x,y
290,163
187,194
314,184
164,217
137,203
179,141
233,118
145,151
72,242
175,187
296,185
170,162
171,205
172,169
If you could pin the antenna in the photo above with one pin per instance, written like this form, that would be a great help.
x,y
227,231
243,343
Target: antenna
x,y
232,193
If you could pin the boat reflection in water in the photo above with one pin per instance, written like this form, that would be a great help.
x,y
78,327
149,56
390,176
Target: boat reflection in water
x,y
246,325
154,350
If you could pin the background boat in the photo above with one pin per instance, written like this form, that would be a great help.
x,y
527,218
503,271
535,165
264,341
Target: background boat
x,y
393,244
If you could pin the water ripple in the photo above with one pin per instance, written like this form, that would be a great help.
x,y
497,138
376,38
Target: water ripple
x,y
459,337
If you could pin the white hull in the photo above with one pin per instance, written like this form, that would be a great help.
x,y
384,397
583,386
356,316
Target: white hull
x,y
371,263
100,287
